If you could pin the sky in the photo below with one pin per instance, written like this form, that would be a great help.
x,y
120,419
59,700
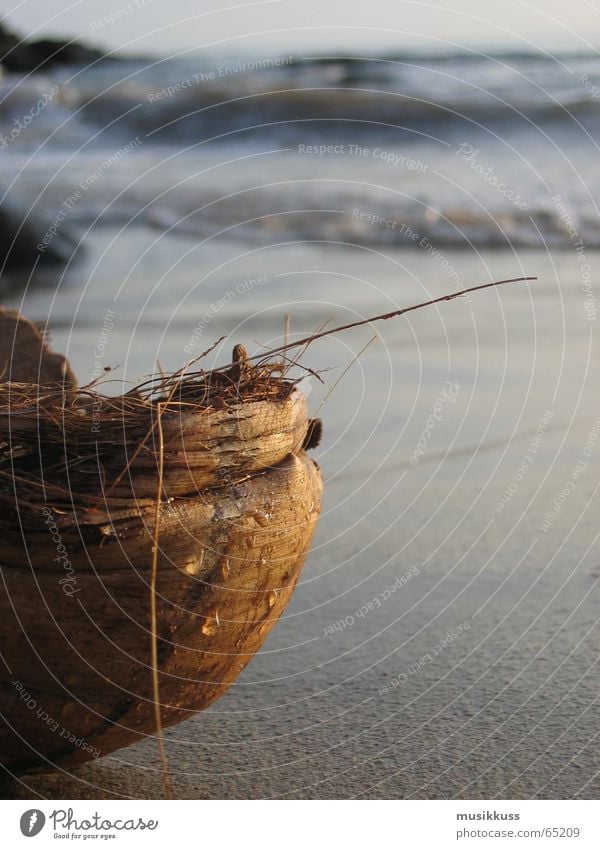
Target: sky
x,y
167,27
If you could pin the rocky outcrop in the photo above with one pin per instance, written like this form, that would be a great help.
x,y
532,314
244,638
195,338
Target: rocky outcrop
x,y
20,237
17,55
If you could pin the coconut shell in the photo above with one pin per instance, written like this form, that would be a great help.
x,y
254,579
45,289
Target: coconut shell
x,y
75,601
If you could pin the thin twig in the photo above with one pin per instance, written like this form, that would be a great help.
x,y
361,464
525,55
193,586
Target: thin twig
x,y
153,616
152,379
385,316
304,343
319,330
346,370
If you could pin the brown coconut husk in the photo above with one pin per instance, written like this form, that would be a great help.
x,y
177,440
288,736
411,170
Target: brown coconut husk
x,y
139,570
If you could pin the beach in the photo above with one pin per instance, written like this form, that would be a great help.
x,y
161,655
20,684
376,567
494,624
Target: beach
x,y
442,641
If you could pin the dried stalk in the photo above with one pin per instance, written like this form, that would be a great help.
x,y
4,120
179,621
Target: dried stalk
x,y
153,616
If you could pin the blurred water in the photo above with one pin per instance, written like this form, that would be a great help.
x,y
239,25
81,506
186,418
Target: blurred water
x,y
466,150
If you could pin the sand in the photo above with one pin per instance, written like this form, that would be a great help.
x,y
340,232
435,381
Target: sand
x,y
439,645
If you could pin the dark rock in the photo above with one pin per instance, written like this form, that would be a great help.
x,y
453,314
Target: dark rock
x,y
19,240
24,56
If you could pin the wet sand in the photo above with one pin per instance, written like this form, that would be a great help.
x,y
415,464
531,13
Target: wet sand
x,y
438,645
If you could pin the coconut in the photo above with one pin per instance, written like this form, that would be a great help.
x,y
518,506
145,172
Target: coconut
x,y
150,543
